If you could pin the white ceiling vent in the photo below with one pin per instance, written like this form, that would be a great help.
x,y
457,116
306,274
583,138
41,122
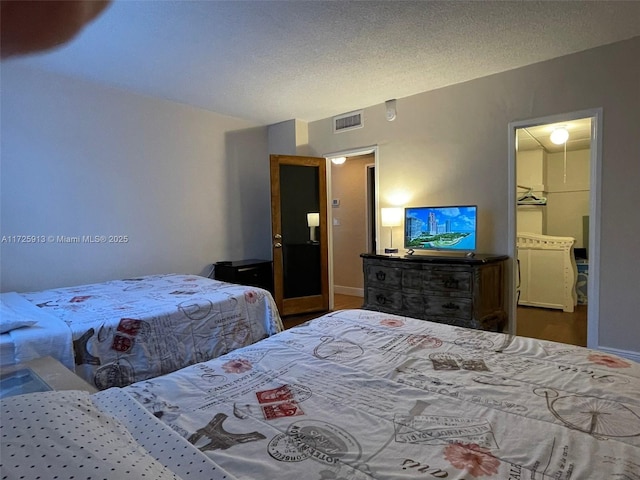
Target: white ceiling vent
x,y
348,121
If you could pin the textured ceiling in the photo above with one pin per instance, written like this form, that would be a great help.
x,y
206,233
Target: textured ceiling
x,y
270,61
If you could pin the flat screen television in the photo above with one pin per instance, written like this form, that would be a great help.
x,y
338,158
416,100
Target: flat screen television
x,y
444,229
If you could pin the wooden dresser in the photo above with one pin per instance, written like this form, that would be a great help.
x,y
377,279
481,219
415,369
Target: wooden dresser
x,y
462,291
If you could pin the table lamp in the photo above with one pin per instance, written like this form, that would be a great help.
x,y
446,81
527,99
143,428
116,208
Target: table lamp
x,y
313,221
391,217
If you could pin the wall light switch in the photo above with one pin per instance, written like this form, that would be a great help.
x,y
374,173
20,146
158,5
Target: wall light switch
x,y
335,202
336,221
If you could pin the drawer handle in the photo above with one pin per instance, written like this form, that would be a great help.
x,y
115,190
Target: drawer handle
x,y
451,283
451,306
381,299
380,275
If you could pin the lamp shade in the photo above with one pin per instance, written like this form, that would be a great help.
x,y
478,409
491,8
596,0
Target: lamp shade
x,y
313,219
391,217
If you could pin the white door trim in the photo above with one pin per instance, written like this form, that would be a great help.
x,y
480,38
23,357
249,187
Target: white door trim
x,y
593,286
348,153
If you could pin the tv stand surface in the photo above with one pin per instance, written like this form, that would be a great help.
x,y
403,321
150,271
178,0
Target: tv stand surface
x,y
453,289
445,257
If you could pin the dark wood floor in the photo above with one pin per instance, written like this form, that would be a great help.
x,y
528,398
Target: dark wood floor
x,y
542,323
340,302
555,325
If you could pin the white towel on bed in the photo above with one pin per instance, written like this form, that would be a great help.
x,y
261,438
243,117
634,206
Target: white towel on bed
x,y
50,336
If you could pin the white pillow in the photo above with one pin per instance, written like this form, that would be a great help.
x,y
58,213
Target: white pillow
x,y
10,319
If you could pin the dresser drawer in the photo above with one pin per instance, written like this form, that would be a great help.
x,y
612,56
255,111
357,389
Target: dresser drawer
x,y
413,279
383,276
448,306
449,280
386,299
413,304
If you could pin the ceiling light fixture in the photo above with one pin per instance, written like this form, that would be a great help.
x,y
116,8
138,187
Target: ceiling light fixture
x,y
559,136
339,160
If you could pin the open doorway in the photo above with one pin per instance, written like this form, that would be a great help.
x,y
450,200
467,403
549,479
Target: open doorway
x,y
554,234
352,218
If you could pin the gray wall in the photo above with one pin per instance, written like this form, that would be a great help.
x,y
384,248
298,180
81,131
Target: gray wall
x,y
191,187
450,146
188,187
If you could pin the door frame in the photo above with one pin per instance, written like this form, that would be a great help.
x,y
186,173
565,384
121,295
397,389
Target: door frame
x,y
310,303
354,152
372,238
593,283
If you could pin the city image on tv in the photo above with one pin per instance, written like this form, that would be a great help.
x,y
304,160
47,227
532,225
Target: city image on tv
x,y
441,228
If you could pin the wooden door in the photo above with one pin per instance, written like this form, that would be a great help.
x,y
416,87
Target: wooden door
x,y
300,249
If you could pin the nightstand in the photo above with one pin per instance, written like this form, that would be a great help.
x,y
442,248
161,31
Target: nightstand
x,y
256,273
39,375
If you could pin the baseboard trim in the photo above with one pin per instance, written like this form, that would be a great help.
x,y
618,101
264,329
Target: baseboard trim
x,y
635,356
353,291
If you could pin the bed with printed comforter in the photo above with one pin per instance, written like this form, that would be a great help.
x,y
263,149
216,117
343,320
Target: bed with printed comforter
x,y
119,332
363,395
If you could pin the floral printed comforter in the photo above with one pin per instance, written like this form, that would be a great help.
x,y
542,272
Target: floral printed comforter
x,y
363,395
138,328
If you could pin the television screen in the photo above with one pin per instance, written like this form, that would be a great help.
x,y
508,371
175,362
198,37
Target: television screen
x,y
451,228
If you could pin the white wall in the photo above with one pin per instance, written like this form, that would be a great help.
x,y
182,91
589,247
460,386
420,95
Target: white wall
x,y
450,146
568,201
530,168
567,192
282,138
186,186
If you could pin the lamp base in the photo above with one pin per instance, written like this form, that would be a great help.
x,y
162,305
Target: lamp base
x,y
390,250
